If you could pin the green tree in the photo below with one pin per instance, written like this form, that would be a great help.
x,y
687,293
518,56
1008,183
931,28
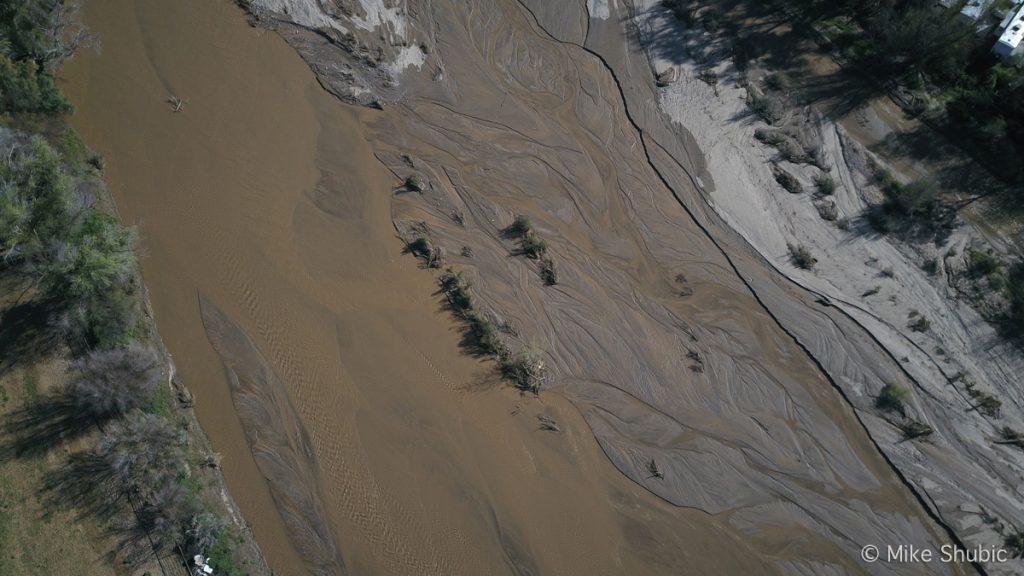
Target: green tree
x,y
97,258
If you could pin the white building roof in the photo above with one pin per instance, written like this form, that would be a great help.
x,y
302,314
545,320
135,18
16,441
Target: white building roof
x,y
975,8
1014,32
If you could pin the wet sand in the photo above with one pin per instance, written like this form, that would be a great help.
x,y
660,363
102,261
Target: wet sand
x,y
380,448
263,197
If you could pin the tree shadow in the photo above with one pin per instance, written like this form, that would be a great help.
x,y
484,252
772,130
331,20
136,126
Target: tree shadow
x,y
44,425
27,334
87,484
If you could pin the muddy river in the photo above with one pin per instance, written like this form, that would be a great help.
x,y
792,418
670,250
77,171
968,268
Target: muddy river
x,y
357,435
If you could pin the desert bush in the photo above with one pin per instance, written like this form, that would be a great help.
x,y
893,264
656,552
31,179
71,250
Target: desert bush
x,y
415,183
827,210
988,405
547,271
483,334
787,181
768,107
802,257
520,227
912,429
110,383
534,247
420,246
892,398
920,324
825,184
456,289
432,255
525,370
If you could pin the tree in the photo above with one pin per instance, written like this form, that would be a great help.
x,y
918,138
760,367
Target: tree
x,y
35,199
97,258
111,383
140,453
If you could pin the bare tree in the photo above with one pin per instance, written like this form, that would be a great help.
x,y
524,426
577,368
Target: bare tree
x,y
109,383
142,452
66,35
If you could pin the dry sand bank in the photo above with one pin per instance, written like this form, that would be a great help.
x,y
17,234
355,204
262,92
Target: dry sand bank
x,y
966,478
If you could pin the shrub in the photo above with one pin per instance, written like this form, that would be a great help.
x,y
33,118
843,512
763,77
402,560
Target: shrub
x,y
802,257
931,266
912,429
534,247
415,183
547,271
920,324
526,370
825,184
787,181
769,108
892,398
1014,542
983,263
988,405
421,246
483,334
919,199
520,227
827,210
456,289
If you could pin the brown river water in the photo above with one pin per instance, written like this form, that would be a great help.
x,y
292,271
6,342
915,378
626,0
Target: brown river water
x,y
356,435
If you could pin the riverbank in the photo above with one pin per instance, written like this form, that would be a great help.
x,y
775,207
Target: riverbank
x,y
103,467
